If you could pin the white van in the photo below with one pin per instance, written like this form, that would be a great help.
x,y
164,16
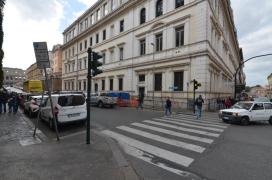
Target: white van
x,y
67,107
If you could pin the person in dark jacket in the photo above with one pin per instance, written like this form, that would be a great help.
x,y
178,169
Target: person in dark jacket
x,y
140,101
199,102
2,99
168,107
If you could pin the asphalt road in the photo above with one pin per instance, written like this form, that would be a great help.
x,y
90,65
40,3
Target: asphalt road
x,y
239,153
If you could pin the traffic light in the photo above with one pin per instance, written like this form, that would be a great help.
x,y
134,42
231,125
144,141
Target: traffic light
x,y
95,64
196,84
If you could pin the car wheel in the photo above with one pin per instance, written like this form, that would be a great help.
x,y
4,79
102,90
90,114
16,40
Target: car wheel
x,y
245,121
270,121
100,104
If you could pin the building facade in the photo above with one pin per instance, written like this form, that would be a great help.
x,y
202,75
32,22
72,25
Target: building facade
x,y
34,73
155,47
258,91
13,77
269,87
57,68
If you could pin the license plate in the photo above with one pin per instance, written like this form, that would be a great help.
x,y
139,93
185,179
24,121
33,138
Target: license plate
x,y
225,117
74,115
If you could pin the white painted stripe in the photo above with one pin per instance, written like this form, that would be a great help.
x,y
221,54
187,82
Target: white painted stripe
x,y
173,133
191,125
183,129
197,122
203,117
149,159
158,138
156,151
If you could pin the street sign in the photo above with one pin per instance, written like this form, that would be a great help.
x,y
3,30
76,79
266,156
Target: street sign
x,y
41,53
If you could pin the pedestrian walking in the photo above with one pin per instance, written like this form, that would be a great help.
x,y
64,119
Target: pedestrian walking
x,y
228,103
140,101
15,104
199,102
168,107
1,100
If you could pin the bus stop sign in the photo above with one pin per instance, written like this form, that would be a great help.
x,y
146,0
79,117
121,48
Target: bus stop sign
x,y
41,53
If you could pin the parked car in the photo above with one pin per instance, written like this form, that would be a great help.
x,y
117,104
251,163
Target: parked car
x,y
32,105
248,111
67,108
103,99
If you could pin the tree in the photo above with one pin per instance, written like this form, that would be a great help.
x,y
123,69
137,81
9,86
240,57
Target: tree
x,y
2,4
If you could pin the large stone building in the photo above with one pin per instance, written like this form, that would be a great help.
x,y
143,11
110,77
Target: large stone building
x,y
13,77
269,87
34,73
57,68
156,47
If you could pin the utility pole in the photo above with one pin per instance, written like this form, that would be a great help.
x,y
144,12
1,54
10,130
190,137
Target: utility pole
x,y
196,85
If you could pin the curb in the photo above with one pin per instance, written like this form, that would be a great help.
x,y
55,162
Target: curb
x,y
39,133
127,170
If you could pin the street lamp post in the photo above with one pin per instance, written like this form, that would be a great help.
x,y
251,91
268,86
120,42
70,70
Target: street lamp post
x,y
153,106
239,67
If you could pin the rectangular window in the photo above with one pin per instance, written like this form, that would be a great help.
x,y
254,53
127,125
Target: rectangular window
x,y
112,56
105,9
103,85
158,82
159,42
179,36
80,64
92,19
91,41
104,58
97,38
98,14
142,47
121,25
178,81
120,84
81,26
80,47
104,34
86,23
141,78
73,51
112,30
85,63
121,51
179,3
79,85
111,84
84,85
85,44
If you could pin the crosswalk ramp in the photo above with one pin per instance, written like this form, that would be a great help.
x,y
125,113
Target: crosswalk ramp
x,y
179,139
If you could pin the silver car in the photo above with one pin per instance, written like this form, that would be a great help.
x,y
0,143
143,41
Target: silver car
x,y
103,100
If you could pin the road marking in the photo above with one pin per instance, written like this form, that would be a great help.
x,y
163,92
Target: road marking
x,y
204,123
149,158
203,119
29,141
173,133
183,129
159,152
190,125
158,138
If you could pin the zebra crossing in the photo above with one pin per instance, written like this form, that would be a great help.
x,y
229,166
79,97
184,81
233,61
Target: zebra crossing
x,y
178,139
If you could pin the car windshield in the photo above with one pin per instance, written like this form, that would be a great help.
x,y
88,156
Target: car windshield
x,y
242,105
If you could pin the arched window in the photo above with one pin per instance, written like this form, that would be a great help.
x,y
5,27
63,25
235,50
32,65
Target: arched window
x,y
159,9
179,3
142,16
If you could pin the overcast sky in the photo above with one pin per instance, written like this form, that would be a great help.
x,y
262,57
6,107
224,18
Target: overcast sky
x,y
26,21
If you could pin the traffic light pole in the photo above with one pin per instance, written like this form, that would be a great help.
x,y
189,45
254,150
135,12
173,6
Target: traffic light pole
x,y
194,98
89,87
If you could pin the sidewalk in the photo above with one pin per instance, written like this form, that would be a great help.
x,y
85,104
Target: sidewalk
x,y
68,159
